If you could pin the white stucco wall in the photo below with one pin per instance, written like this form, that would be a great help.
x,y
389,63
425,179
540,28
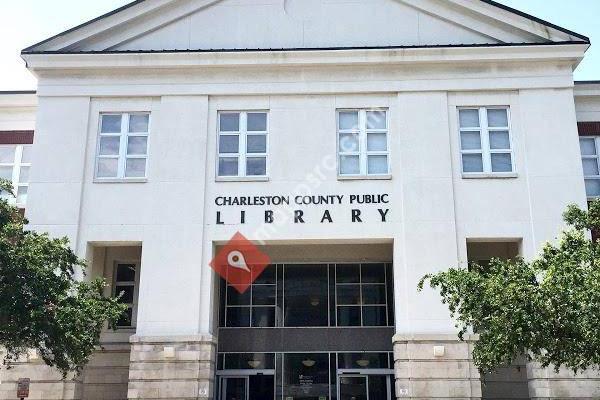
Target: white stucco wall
x,y
17,111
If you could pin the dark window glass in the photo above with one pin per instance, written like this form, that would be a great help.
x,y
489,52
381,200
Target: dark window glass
x,y
267,276
125,273
238,316
263,317
347,273
348,294
235,298
306,376
249,361
373,294
348,316
373,273
263,295
126,293
126,318
374,316
362,360
305,295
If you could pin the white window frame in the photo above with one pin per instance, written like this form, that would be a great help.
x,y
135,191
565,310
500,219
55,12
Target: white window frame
x,y
242,155
136,286
590,157
484,131
124,136
363,153
16,166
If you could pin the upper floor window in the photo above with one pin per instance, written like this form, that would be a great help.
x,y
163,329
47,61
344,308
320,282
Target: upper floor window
x,y
122,150
485,142
242,144
125,285
363,148
590,157
15,162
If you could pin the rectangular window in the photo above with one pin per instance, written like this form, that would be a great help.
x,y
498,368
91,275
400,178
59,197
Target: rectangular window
x,y
590,157
122,151
256,306
363,148
242,144
485,142
15,163
125,285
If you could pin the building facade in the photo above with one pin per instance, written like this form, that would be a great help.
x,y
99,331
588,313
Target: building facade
x,y
360,144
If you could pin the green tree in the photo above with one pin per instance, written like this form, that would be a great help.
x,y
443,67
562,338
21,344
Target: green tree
x,y
42,305
547,309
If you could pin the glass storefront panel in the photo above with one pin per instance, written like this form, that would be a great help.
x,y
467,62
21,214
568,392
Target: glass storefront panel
x,y
305,295
306,376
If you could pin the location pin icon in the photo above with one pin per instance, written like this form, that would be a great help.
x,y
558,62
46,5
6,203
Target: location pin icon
x,y
236,260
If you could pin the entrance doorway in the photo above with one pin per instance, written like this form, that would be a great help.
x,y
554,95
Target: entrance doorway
x,y
247,386
369,386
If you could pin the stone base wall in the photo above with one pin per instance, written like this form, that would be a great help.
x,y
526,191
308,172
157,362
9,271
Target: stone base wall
x,y
107,374
422,375
545,384
173,367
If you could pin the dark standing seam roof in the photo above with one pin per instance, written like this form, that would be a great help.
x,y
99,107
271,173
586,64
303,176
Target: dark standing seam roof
x,y
29,50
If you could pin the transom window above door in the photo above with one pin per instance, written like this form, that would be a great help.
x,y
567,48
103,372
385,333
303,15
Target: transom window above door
x,y
242,144
485,142
363,148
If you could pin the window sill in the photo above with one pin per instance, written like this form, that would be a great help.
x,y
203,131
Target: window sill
x,y
364,177
242,179
503,175
120,180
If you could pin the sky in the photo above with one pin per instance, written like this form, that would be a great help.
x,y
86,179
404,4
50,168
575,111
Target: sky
x,y
25,22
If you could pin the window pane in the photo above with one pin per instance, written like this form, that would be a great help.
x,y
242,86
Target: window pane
x,y
253,360
363,360
26,155
238,316
256,143
348,294
7,154
499,140
501,163
126,318
305,291
348,316
472,163
376,120
373,273
229,144
305,377
376,141
263,317
374,316
373,294
138,122
22,195
256,166
267,276
588,146
347,273
469,118
377,165
24,175
228,166
111,123
349,165
470,140
126,293
108,167
263,295
348,142
257,122
590,166
497,118
592,187
6,173
348,120
235,298
109,145
135,168
137,145
126,273
229,122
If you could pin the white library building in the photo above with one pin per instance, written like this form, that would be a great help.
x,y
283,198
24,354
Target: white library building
x,y
358,144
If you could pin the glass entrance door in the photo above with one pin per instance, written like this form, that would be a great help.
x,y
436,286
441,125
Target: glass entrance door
x,y
251,387
234,388
366,387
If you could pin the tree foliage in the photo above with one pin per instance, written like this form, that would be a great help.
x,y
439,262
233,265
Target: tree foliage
x,y
42,305
547,309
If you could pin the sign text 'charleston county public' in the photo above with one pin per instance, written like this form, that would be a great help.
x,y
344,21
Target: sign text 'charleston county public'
x,y
296,204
